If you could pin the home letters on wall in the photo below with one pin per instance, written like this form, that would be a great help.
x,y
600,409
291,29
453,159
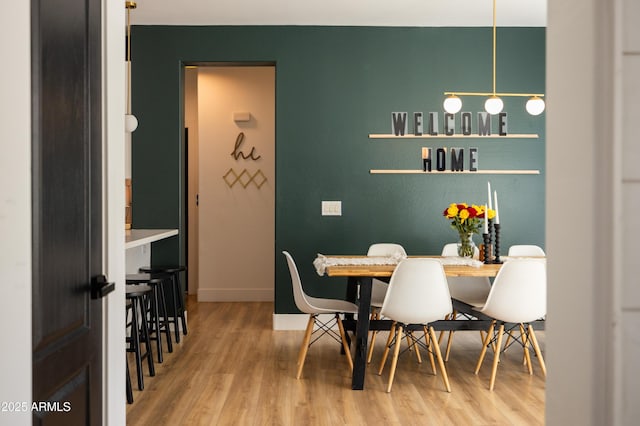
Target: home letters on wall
x,y
456,159
443,160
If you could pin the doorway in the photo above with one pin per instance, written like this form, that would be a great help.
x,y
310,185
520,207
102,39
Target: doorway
x,y
230,117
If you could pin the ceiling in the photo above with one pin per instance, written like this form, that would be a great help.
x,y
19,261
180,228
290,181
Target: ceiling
x,y
422,13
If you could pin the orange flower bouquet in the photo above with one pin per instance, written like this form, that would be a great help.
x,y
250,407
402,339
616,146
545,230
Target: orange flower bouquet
x,y
467,220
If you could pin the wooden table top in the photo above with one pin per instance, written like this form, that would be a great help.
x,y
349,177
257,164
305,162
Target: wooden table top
x,y
485,270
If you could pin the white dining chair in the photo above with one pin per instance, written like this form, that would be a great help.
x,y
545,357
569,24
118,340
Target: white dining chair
x,y
469,290
315,306
379,287
518,297
524,250
417,294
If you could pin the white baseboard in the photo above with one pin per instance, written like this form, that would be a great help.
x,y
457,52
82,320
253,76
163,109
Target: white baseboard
x,y
235,295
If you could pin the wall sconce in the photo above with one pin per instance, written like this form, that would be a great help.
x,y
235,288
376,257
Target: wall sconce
x,y
241,116
493,105
130,120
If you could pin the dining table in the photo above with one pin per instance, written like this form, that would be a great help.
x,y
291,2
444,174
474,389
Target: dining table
x,y
360,271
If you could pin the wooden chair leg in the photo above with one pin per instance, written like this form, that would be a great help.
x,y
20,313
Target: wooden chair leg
x,y
415,346
345,345
454,315
394,361
496,357
305,345
485,344
372,340
506,342
372,343
409,343
430,344
445,377
536,348
385,354
448,350
525,345
441,335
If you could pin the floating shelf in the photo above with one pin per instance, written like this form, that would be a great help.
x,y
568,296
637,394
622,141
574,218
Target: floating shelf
x,y
448,172
456,136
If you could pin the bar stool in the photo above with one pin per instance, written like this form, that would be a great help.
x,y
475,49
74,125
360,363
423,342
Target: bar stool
x,y
136,295
176,294
157,306
128,388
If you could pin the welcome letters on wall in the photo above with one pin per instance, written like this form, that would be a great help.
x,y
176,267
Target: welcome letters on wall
x,y
400,124
457,157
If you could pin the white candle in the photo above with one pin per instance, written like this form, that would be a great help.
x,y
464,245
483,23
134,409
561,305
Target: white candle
x,y
489,194
486,220
495,195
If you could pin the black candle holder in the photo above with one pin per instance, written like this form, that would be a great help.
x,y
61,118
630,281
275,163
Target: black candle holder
x,y
490,229
496,227
487,248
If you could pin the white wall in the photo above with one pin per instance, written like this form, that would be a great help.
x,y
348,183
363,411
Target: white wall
x,y
237,224
15,208
593,193
114,194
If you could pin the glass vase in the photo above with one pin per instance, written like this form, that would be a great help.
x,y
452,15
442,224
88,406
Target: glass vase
x,y
466,246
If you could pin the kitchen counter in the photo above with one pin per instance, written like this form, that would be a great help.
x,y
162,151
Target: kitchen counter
x,y
138,246
139,237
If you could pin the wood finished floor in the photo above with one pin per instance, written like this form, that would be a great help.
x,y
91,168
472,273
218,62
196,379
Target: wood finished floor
x,y
233,369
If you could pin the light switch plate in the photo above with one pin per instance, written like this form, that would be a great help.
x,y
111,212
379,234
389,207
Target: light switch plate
x,y
332,208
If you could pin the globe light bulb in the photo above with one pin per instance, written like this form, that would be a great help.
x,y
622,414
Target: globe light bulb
x,y
493,105
130,123
535,106
452,104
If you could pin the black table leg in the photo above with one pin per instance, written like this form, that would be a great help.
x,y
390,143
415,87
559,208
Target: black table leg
x,y
362,334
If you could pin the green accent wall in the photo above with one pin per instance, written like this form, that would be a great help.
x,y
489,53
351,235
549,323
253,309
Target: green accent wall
x,y
335,86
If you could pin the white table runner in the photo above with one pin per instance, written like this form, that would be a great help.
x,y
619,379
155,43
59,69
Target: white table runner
x,y
322,262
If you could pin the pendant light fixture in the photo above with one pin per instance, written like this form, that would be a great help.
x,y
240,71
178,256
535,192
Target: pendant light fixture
x,y
130,120
493,105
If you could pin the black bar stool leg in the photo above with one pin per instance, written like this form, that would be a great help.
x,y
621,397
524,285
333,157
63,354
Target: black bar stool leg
x,y
129,389
156,322
175,294
165,316
180,302
135,343
147,340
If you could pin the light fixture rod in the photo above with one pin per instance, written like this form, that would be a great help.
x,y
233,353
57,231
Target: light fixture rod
x,y
129,5
494,47
540,95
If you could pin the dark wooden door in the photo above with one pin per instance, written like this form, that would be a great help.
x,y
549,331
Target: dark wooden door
x,y
67,211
